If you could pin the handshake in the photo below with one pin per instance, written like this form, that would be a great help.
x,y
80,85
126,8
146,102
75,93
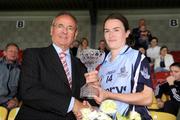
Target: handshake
x,y
107,111
78,107
93,81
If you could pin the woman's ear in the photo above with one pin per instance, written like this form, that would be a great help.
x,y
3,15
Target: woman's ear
x,y
127,33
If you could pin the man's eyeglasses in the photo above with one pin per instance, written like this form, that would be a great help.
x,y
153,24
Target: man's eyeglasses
x,y
62,27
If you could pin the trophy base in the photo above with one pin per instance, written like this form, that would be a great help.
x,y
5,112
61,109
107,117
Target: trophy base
x,y
87,98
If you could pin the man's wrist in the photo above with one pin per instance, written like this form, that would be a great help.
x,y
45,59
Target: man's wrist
x,y
71,105
75,107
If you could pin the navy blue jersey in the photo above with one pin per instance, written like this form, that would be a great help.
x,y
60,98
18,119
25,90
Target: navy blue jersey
x,y
172,90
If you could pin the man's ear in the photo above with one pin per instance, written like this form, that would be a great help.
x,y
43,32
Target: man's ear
x,y
75,35
51,29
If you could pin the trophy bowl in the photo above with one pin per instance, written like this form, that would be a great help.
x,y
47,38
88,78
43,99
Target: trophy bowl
x,y
91,59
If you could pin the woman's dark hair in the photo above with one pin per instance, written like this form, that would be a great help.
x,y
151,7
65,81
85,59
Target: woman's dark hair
x,y
104,42
155,39
177,64
84,39
164,46
119,17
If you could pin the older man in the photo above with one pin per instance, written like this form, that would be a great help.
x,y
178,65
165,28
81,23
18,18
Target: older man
x,y
9,76
51,77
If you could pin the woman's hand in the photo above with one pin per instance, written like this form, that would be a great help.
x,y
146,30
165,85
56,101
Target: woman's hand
x,y
12,103
101,96
92,78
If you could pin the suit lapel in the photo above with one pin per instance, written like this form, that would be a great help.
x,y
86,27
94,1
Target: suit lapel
x,y
73,72
54,61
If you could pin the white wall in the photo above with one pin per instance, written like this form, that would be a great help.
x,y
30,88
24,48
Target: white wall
x,y
37,26
157,22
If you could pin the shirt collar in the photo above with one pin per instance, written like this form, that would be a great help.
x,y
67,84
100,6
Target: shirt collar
x,y
59,50
122,51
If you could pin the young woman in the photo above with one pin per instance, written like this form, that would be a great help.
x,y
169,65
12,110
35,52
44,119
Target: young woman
x,y
164,60
117,73
82,46
103,47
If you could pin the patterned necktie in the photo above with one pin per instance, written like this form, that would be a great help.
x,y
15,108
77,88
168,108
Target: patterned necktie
x,y
66,69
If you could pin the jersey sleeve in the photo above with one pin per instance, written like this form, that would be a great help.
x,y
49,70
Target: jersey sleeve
x,y
175,92
144,74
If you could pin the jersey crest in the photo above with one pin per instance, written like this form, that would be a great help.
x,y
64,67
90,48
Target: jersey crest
x,y
123,72
145,73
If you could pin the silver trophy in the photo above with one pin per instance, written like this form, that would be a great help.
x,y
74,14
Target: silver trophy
x,y
91,58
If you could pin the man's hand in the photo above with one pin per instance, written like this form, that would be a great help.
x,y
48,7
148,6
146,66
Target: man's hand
x,y
160,103
170,80
12,103
77,107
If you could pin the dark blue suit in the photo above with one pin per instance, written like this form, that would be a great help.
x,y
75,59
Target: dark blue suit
x,y
44,87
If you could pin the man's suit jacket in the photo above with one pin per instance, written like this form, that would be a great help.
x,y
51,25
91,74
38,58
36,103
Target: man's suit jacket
x,y
44,87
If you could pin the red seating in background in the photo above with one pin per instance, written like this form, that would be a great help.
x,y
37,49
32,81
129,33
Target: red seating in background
x,y
19,55
1,53
176,55
160,77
